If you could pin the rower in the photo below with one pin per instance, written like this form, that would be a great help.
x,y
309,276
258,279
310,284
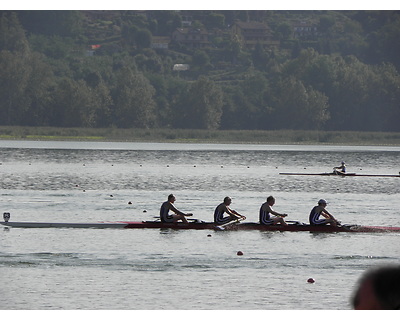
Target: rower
x,y
178,215
223,208
319,210
341,169
266,210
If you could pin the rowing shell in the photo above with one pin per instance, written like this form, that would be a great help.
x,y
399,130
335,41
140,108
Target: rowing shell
x,y
350,174
295,227
97,225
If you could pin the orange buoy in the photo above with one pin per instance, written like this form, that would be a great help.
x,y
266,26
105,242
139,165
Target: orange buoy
x,y
310,280
239,253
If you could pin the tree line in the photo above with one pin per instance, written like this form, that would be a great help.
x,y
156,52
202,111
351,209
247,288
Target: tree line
x,y
47,80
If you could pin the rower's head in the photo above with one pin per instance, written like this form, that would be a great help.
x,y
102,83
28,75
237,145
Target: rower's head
x,y
322,202
227,201
271,200
171,198
379,289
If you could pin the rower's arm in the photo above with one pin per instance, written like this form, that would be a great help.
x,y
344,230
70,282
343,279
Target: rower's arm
x,y
174,209
269,209
278,214
231,212
234,213
326,214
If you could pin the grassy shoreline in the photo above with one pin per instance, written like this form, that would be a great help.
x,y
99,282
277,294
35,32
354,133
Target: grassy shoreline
x,y
200,136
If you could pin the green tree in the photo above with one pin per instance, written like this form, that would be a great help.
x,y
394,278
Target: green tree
x,y
14,79
143,38
167,21
52,46
299,107
66,23
201,59
349,96
24,76
72,104
102,105
284,31
320,72
39,88
202,107
128,33
233,49
296,67
215,20
169,91
12,34
260,58
352,42
326,22
384,43
249,104
382,108
149,61
133,100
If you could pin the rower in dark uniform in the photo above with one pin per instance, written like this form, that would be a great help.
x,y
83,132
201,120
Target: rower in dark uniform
x,y
341,169
266,212
222,208
319,210
169,205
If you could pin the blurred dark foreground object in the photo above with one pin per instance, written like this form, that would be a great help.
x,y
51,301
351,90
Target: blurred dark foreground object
x,y
378,289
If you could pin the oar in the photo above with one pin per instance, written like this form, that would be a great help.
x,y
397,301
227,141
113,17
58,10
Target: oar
x,y
195,220
223,226
188,219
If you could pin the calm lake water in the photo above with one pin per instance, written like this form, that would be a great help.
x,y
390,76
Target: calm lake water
x,y
188,269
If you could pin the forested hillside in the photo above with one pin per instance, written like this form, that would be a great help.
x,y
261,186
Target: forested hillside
x,y
316,70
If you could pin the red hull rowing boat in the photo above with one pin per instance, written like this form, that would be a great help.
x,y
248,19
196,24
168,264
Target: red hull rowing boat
x,y
200,225
295,227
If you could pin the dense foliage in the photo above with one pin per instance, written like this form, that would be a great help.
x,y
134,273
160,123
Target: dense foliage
x,y
345,78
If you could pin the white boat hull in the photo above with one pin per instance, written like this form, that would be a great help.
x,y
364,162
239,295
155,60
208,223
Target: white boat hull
x,y
98,225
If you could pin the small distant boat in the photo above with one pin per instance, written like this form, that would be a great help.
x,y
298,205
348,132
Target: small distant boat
x,y
340,174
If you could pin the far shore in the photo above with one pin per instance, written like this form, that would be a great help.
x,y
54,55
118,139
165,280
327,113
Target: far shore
x,y
200,136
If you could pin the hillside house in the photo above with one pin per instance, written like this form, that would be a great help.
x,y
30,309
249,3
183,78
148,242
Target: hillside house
x,y
186,20
160,43
305,31
191,37
251,33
